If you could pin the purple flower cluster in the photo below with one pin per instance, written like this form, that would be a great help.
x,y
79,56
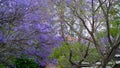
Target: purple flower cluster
x,y
104,40
2,40
26,27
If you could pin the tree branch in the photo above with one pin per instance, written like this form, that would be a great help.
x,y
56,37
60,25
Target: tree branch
x,y
106,15
70,58
92,35
85,55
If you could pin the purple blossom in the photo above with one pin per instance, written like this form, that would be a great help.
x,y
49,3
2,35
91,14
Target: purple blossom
x,y
54,61
2,39
104,41
30,42
69,1
90,2
28,30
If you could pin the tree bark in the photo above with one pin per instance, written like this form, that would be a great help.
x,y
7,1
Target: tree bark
x,y
79,66
104,63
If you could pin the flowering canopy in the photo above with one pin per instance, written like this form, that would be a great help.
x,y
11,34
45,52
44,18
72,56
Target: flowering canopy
x,y
25,28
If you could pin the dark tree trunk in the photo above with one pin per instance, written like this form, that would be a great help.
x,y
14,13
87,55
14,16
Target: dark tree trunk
x,y
79,66
104,63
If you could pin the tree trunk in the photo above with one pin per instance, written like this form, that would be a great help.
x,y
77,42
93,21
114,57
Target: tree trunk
x,y
104,63
79,66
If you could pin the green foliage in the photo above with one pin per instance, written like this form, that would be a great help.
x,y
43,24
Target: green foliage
x,y
93,56
101,34
25,63
2,66
78,50
113,11
115,30
115,22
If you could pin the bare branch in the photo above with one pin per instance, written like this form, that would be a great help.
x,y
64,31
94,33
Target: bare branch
x,y
86,54
70,58
99,6
93,22
77,32
106,14
92,35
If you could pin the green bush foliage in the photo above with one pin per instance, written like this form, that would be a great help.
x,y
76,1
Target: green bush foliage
x,y
25,63
2,66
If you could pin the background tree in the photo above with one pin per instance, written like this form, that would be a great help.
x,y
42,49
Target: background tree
x,y
95,17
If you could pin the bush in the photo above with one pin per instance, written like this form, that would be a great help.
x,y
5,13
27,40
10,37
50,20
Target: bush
x,y
25,63
2,66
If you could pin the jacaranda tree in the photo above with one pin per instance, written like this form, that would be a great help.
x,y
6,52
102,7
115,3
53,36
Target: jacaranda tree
x,y
26,29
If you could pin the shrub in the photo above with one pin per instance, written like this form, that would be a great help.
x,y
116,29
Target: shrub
x,y
25,63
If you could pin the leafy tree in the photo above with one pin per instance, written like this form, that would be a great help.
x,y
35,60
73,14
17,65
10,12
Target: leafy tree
x,y
90,18
78,51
